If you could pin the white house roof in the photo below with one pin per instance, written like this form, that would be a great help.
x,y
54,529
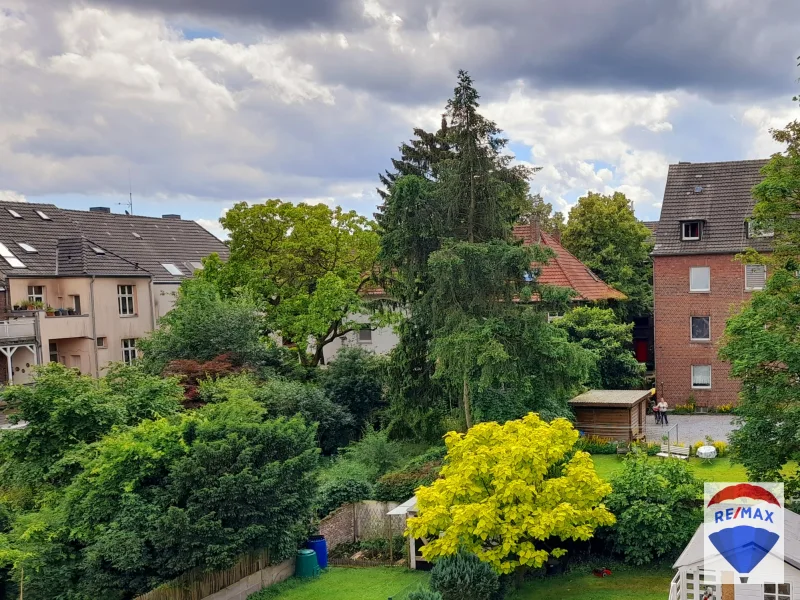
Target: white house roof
x,y
406,507
693,553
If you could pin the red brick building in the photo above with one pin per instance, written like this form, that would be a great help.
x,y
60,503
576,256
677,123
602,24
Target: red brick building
x,y
697,283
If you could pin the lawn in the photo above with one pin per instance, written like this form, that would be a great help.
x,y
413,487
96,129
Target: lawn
x,y
719,469
378,583
644,584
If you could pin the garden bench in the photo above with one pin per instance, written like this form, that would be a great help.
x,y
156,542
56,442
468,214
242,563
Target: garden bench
x,y
673,452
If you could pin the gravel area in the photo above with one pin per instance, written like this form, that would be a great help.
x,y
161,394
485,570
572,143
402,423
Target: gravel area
x,y
691,428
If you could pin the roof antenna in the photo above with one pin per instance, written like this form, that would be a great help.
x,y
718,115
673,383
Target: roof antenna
x,y
129,203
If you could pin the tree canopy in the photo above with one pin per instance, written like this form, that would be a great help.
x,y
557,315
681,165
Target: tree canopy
x,y
509,493
604,234
305,265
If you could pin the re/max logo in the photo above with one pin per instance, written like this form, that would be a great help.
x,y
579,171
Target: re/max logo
x,y
744,512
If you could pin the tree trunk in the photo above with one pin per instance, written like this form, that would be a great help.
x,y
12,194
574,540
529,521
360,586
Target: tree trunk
x,y
467,409
519,576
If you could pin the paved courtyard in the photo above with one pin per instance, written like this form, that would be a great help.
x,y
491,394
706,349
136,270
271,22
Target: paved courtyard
x,y
691,428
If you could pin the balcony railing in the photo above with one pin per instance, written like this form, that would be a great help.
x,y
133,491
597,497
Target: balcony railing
x,y
15,329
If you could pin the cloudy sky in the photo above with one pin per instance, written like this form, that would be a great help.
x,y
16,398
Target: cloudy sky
x,y
209,102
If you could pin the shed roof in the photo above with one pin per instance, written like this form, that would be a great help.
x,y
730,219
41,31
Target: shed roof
x,y
406,507
693,553
610,398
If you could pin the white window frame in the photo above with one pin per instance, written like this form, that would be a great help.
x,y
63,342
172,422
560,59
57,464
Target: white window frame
x,y
34,295
9,257
750,288
27,248
691,238
128,350
368,339
753,233
691,328
776,595
702,387
14,213
554,316
172,269
126,300
700,291
43,216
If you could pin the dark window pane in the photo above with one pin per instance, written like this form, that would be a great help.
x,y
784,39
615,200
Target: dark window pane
x,y
701,329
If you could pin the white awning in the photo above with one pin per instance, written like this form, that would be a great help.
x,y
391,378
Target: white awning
x,y
406,507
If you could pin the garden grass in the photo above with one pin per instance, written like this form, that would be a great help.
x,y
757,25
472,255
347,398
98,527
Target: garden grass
x,y
719,469
643,584
376,583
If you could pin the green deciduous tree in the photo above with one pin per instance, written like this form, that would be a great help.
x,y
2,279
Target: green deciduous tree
x,y
355,381
657,509
305,264
541,212
599,331
605,235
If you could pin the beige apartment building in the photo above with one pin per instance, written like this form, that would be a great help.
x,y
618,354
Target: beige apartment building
x,y
81,288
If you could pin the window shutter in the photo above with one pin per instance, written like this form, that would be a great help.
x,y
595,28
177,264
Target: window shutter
x,y
755,277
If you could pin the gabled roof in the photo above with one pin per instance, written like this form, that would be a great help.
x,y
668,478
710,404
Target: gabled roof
x,y
564,270
75,243
718,194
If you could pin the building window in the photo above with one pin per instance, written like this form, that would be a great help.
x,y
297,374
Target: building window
x,y
700,279
701,329
691,230
754,232
554,316
172,269
755,277
777,591
125,299
128,351
102,342
701,377
76,304
36,293
53,352
365,336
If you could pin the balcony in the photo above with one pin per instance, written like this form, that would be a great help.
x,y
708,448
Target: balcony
x,y
17,328
74,326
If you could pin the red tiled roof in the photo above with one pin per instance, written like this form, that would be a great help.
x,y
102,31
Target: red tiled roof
x,y
564,270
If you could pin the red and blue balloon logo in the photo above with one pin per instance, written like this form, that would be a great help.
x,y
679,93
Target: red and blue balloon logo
x,y
745,530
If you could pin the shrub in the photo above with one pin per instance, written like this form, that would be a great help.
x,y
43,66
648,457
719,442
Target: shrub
x,y
597,445
423,594
354,380
375,451
192,373
656,506
401,485
722,448
334,494
463,575
724,408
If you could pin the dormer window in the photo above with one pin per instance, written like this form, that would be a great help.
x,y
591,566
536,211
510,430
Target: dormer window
x,y
755,232
691,230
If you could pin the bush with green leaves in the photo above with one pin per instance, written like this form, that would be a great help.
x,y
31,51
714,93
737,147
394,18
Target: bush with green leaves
x,y
463,575
338,492
401,485
354,380
289,398
597,445
423,594
658,508
193,491
375,452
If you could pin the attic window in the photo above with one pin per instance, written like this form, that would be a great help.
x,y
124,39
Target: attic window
x,y
27,247
691,230
755,232
197,266
43,216
698,189
172,269
136,235
14,213
9,257
98,250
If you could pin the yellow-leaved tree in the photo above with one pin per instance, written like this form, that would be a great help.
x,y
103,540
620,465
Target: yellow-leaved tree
x,y
509,493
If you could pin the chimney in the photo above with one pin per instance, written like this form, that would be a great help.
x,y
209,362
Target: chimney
x,y
100,209
536,231
557,235
178,217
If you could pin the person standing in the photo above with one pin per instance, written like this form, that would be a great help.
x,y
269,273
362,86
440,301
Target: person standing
x,y
656,413
662,409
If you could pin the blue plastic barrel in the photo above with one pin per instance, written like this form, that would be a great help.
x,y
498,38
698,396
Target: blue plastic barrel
x,y
318,544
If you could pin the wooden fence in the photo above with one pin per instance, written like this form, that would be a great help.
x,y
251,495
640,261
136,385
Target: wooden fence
x,y
196,585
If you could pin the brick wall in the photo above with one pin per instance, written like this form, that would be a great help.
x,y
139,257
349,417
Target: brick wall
x,y
675,353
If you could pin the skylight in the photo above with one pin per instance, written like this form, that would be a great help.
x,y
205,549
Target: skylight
x,y
173,270
197,265
9,257
27,247
43,216
136,235
98,250
14,213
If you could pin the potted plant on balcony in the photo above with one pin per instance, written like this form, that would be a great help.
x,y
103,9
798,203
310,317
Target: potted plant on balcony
x,y
71,312
51,312
37,305
61,312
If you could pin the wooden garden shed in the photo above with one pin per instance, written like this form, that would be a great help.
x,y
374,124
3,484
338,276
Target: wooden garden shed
x,y
613,414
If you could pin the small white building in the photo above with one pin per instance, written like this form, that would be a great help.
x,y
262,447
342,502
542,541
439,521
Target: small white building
x,y
691,581
415,559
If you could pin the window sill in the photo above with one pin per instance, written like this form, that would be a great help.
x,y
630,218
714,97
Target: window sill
x,y
699,291
701,387
703,341
751,290
128,316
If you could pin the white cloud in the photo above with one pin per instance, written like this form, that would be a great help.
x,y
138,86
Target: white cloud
x,y
10,196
